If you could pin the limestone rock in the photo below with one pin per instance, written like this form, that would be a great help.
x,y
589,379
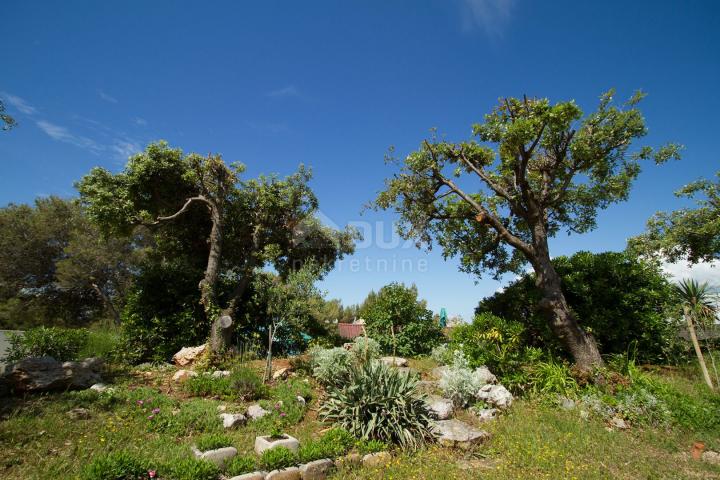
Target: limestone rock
x,y
266,443
256,411
281,373
232,420
618,422
99,387
349,460
317,470
496,395
439,372
182,375
487,414
219,456
301,400
292,473
250,476
441,408
482,375
711,457
394,361
79,414
454,433
379,459
187,355
36,374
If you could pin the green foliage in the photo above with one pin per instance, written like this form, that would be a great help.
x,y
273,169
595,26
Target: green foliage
x,y
116,466
622,300
552,378
371,446
311,450
102,343
334,443
239,465
8,121
365,349
212,441
442,354
397,309
62,344
331,367
192,469
692,234
277,458
242,384
379,403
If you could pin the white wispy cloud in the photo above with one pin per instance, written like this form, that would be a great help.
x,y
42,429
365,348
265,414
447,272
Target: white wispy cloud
x,y
702,272
62,134
20,104
489,15
107,97
125,148
284,92
140,121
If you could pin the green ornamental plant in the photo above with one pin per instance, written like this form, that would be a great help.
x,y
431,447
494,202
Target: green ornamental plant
x,y
277,458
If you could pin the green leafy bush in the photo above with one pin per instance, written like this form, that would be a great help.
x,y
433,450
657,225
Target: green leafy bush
x,y
553,378
313,450
192,469
239,465
245,384
63,344
102,343
277,458
371,446
116,466
205,384
334,443
331,367
212,441
379,403
397,309
365,348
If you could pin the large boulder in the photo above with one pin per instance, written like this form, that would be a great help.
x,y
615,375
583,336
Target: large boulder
x,y
39,374
188,355
394,361
482,376
440,408
495,395
454,433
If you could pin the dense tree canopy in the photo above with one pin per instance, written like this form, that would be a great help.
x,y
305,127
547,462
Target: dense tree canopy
x,y
205,219
552,170
626,303
691,234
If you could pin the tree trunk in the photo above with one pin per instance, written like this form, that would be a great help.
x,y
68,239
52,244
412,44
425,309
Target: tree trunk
x,y
579,344
108,304
696,345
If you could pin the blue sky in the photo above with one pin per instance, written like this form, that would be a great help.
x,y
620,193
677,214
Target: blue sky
x,y
333,84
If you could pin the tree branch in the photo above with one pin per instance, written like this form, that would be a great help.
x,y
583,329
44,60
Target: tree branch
x,y
184,208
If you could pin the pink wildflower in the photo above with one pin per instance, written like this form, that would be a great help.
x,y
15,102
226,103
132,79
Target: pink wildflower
x,y
156,411
152,473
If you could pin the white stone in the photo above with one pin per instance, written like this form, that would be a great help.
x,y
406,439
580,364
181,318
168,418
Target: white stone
x,y
281,373
188,355
232,420
221,373
378,459
618,422
394,361
266,443
301,400
219,456
496,395
182,375
292,473
454,433
99,387
250,476
482,376
256,411
441,408
487,414
317,470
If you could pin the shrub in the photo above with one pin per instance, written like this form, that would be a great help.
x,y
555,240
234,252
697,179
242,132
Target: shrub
x,y
397,308
365,348
371,446
239,465
206,385
116,466
331,367
245,384
339,439
277,458
553,378
213,441
192,469
63,344
442,354
334,443
103,344
310,451
459,383
379,403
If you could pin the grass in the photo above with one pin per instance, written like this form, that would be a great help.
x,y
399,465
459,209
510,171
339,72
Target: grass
x,y
532,440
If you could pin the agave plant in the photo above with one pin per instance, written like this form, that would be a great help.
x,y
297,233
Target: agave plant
x,y
699,306
380,403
